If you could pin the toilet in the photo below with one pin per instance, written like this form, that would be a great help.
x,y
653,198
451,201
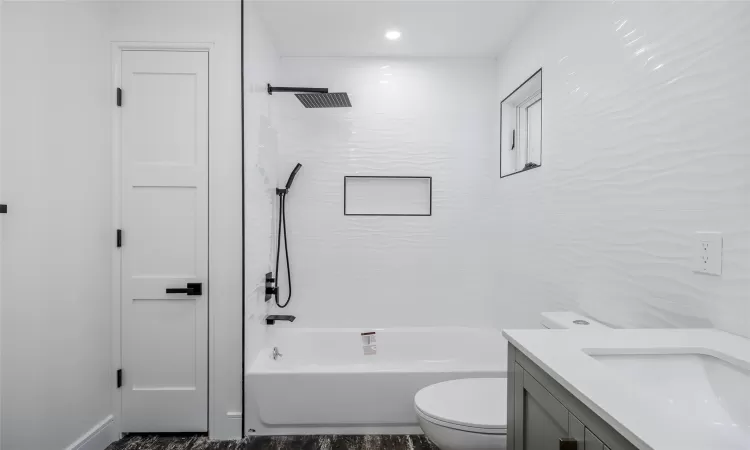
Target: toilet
x,y
467,414
471,413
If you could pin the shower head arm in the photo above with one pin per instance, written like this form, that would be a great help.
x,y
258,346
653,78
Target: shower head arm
x,y
272,89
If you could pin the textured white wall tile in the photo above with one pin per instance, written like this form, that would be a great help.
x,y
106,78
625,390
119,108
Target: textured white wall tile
x,y
261,159
261,153
645,142
422,117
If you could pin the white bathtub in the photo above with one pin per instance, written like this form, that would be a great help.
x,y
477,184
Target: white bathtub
x,y
325,383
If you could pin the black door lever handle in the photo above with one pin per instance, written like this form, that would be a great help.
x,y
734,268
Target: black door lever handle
x,y
191,289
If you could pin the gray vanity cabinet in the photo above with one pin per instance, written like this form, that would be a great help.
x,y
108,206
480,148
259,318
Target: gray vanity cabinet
x,y
546,418
584,438
577,431
542,415
591,442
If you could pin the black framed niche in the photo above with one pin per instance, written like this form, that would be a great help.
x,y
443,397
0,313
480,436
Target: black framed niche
x,y
521,127
398,196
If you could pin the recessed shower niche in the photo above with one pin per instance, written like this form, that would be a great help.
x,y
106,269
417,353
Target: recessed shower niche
x,y
521,127
387,196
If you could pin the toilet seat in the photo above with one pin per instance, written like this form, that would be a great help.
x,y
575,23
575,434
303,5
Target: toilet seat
x,y
477,405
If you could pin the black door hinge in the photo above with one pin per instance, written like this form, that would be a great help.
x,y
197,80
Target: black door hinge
x,y
119,378
119,238
119,97
3,209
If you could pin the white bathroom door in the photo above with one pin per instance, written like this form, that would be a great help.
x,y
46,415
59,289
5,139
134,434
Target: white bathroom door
x,y
164,148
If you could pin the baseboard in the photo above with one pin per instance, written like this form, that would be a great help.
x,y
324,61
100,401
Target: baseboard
x,y
97,438
226,428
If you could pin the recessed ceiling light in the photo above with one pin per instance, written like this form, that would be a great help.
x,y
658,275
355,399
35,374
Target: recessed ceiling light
x,y
392,35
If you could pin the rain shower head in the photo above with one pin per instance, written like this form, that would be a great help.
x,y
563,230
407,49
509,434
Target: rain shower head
x,y
316,97
332,100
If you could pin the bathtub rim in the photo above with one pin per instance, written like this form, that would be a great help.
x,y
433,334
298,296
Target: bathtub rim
x,y
262,358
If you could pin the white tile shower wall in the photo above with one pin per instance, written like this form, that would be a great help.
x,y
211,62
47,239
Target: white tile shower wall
x,y
414,117
261,65
645,142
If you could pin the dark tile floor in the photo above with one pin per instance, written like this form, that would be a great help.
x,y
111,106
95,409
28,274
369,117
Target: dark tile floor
x,y
321,442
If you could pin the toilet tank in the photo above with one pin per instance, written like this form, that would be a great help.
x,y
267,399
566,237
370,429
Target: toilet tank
x,y
569,320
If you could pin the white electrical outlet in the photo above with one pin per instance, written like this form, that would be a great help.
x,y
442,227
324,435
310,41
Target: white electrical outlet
x,y
708,252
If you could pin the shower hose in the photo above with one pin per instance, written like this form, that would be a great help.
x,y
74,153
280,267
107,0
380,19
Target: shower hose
x,y
282,224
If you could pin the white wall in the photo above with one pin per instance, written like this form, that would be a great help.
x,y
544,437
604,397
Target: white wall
x,y
58,379
261,153
216,22
1,226
57,238
423,117
645,142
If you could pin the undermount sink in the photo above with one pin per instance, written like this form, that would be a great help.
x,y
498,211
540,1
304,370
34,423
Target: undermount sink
x,y
711,390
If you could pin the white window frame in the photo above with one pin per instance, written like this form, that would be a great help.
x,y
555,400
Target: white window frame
x,y
522,120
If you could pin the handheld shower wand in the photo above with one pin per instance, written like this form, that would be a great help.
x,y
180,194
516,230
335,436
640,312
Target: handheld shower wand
x,y
292,175
282,223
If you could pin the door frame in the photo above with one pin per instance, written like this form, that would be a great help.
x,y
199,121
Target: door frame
x,y
117,48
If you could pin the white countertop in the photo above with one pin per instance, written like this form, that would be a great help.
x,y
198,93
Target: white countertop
x,y
646,420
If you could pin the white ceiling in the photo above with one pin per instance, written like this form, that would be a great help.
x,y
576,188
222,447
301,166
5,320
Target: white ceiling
x,y
357,28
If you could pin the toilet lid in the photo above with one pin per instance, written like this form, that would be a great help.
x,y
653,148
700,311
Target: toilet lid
x,y
471,402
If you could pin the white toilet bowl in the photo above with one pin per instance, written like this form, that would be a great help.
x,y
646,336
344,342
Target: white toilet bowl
x,y
467,414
